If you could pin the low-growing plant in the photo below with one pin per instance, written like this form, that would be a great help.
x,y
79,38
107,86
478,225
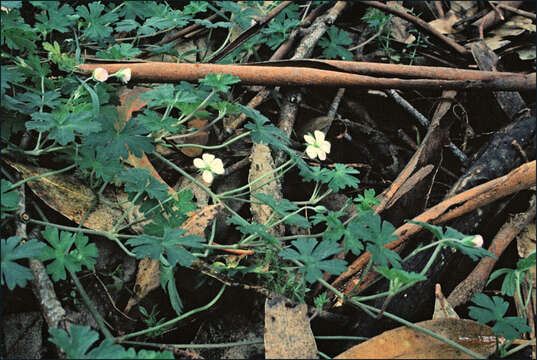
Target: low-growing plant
x,y
76,120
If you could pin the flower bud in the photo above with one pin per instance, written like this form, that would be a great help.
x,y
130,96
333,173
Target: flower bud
x,y
124,75
476,241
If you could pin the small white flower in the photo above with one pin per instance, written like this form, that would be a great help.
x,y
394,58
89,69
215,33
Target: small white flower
x,y
209,165
318,146
124,75
477,241
100,74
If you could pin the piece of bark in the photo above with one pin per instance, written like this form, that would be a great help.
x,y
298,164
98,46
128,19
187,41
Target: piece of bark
x,y
287,330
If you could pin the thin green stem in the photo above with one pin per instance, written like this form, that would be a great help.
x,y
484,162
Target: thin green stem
x,y
31,178
125,213
256,180
98,318
520,347
332,289
173,321
195,346
200,106
215,147
221,47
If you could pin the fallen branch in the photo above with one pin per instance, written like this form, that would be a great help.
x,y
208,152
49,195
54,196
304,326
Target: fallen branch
x,y
475,282
300,76
519,179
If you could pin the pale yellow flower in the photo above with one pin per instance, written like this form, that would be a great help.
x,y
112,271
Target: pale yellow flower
x,y
317,146
209,165
124,75
100,74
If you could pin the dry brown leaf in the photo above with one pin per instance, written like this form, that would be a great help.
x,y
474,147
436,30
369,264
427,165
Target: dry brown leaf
x,y
261,162
501,36
288,333
404,342
445,24
200,138
442,308
147,278
70,197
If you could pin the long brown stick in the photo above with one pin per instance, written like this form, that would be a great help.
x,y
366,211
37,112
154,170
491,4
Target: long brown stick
x,y
300,76
519,179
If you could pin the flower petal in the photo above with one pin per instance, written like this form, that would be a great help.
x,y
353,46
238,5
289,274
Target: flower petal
x,y
200,164
309,139
319,136
325,146
217,167
321,154
311,151
207,176
208,158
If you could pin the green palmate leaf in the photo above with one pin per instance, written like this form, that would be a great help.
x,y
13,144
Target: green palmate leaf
x,y
334,227
367,201
278,30
99,162
284,208
9,199
138,9
371,229
126,25
55,18
140,181
163,20
119,51
513,277
252,228
117,143
340,177
15,34
219,82
168,95
96,26
14,274
154,121
63,126
195,7
167,281
9,76
313,256
170,245
83,254
263,131
494,309
81,338
335,45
